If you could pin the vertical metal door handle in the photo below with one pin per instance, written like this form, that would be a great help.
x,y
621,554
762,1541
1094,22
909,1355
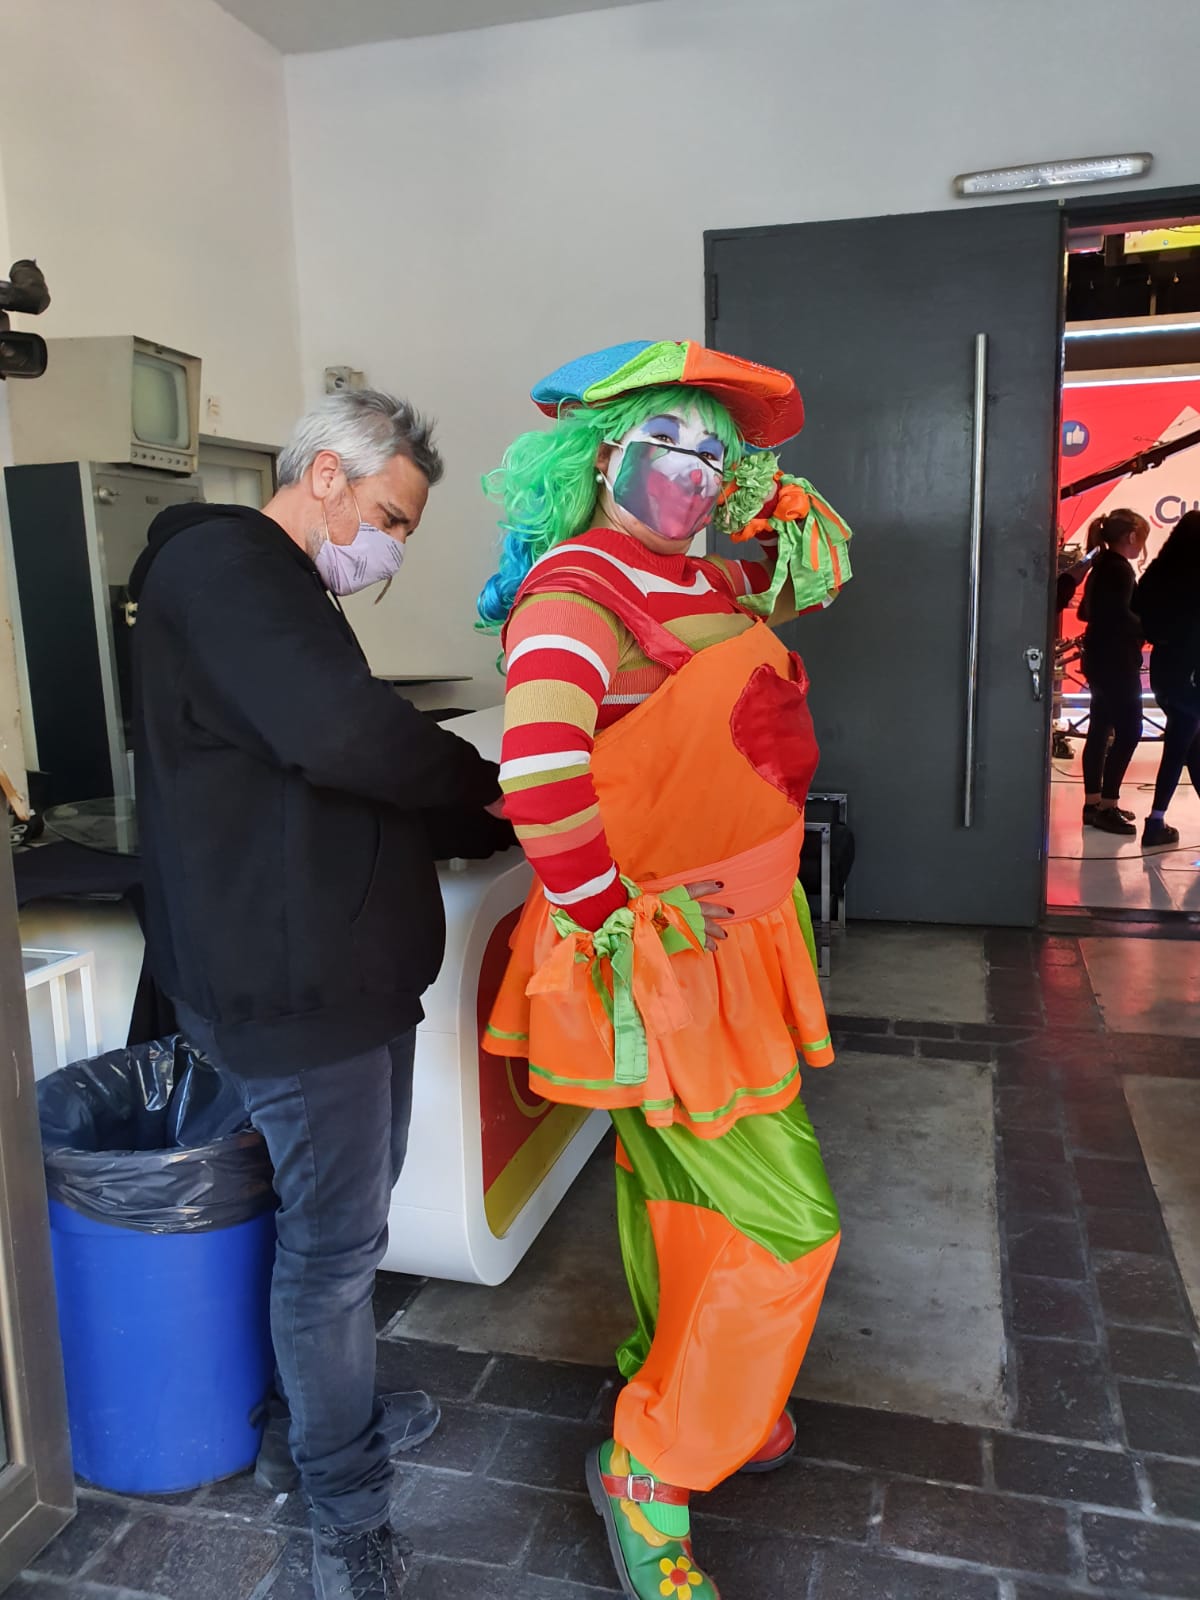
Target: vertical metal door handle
x,y
974,553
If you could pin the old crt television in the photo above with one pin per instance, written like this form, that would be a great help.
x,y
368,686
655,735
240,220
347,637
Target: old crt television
x,y
120,399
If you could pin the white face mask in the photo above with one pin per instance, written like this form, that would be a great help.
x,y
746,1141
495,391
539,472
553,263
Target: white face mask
x,y
372,556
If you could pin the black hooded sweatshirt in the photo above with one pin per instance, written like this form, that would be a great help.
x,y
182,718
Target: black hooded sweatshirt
x,y
290,806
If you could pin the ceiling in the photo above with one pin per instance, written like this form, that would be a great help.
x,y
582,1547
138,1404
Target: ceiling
x,y
295,26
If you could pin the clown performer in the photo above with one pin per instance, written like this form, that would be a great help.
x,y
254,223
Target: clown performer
x,y
657,755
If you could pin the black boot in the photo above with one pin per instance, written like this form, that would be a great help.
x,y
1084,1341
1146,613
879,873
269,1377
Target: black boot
x,y
358,1566
1089,814
1109,819
1156,832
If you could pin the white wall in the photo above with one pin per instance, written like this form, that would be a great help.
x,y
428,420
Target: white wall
x,y
5,262
144,145
474,209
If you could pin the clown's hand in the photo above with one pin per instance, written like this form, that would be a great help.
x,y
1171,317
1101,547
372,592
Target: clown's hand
x,y
714,915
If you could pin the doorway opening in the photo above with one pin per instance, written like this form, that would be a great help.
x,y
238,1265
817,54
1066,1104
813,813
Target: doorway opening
x,y
1129,441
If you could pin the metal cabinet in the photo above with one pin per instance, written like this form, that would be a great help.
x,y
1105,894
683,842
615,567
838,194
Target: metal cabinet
x,y
77,529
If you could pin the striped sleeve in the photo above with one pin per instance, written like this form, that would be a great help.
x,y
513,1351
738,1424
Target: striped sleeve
x,y
747,577
561,654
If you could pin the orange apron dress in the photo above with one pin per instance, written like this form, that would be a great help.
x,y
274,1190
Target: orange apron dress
x,y
728,1225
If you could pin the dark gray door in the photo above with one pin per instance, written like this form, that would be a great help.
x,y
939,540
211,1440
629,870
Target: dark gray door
x,y
878,319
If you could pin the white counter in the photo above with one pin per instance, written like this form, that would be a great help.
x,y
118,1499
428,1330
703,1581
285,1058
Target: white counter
x,y
488,1159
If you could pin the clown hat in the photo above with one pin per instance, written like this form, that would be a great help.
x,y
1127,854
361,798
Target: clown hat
x,y
765,404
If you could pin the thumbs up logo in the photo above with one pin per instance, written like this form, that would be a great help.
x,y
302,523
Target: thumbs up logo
x,y
1075,438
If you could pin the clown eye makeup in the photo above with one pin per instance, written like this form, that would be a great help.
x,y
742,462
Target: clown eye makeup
x,y
663,430
668,430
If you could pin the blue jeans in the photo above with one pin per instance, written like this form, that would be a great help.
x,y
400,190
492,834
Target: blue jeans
x,y
337,1137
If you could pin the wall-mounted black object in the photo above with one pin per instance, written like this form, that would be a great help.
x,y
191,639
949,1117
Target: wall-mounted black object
x,y
22,355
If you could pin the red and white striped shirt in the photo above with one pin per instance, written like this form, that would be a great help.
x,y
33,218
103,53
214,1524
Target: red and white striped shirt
x,y
574,669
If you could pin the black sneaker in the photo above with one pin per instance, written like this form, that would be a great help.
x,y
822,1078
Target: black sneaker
x,y
358,1566
408,1420
1107,819
1155,833
1090,813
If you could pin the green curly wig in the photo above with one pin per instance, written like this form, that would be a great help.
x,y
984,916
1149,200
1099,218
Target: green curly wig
x,y
546,484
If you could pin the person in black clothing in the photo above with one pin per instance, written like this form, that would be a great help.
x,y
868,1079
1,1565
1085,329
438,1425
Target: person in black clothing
x,y
292,809
1168,603
1112,665
1069,579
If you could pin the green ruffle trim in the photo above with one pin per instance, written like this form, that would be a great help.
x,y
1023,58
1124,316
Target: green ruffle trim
x,y
814,555
613,942
754,477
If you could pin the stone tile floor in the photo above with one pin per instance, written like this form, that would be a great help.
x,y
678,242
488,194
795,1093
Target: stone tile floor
x,y
909,1144
1093,1490
1143,985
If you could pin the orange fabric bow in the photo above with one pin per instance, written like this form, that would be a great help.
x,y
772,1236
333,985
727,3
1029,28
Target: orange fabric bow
x,y
634,989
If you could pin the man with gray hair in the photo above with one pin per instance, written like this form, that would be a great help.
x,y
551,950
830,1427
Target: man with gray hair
x,y
291,810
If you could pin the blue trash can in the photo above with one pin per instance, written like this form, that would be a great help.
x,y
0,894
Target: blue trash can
x,y
163,1231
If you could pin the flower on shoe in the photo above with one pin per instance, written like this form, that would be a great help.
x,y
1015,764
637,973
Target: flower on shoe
x,y
679,1579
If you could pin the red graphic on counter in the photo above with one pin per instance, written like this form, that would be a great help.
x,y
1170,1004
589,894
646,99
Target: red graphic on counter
x,y
510,1111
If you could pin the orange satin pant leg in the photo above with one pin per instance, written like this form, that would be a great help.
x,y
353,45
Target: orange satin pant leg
x,y
734,1323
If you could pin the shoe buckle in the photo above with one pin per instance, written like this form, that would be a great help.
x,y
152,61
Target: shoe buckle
x,y
639,1487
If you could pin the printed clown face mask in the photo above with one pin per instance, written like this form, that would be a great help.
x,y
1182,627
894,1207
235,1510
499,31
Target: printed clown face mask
x,y
667,473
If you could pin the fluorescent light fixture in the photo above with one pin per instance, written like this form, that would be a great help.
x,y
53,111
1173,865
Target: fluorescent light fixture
x,y
1147,329
1053,174
1118,383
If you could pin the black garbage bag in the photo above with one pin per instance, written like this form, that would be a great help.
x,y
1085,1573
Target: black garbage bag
x,y
152,1138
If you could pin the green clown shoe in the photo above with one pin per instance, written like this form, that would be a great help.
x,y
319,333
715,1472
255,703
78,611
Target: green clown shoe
x,y
651,1565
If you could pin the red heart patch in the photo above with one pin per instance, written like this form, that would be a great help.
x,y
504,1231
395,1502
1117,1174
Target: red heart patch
x,y
773,728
